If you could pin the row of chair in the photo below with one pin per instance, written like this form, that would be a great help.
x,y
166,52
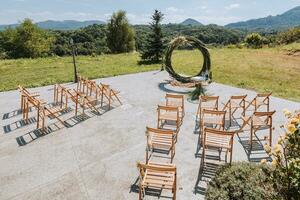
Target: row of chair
x,y
213,132
87,95
162,140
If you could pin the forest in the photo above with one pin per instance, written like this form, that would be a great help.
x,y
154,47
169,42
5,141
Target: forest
x,y
29,41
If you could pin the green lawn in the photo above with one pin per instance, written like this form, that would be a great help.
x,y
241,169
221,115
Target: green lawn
x,y
262,69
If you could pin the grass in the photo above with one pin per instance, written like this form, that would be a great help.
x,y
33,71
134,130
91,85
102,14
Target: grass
x,y
269,69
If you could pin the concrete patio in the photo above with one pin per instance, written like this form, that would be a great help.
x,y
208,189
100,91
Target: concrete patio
x,y
95,158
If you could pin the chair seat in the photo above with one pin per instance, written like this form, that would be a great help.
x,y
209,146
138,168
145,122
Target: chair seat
x,y
162,141
172,116
175,104
91,99
258,121
212,120
235,104
158,179
214,140
54,110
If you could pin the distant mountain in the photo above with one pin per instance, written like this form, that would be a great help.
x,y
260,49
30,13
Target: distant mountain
x,y
288,19
191,22
60,25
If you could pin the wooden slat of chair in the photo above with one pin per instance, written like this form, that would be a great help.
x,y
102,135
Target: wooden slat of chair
x,y
217,139
176,100
233,104
157,176
207,102
167,113
160,139
214,118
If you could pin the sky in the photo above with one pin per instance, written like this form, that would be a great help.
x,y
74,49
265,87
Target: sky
x,y
219,12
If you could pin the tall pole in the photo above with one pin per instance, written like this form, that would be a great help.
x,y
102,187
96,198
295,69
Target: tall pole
x,y
74,61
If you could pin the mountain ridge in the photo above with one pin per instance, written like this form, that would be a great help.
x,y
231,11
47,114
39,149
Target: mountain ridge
x,y
192,22
60,25
287,19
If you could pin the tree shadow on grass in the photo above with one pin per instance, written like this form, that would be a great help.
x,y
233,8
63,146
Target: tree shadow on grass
x,y
148,62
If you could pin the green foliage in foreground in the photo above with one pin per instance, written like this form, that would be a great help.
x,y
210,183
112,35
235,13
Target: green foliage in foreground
x,y
259,69
242,181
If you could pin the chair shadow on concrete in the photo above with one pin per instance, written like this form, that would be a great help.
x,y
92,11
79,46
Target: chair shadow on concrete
x,y
257,153
13,113
205,174
37,133
162,86
18,124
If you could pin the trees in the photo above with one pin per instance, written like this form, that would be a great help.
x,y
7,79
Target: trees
x,y
120,36
254,40
154,48
26,41
289,36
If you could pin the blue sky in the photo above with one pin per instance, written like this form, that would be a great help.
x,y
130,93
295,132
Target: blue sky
x,y
138,11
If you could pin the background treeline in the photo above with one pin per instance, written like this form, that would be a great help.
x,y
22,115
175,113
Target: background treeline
x,y
27,40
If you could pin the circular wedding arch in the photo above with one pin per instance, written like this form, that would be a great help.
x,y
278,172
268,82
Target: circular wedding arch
x,y
204,73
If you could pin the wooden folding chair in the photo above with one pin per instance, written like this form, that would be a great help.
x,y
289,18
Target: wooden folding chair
x,y
60,94
176,100
261,100
24,93
211,118
167,114
110,94
157,176
233,104
258,121
159,140
219,140
207,102
49,112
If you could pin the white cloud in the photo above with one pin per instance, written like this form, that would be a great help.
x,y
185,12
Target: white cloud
x,y
174,10
232,6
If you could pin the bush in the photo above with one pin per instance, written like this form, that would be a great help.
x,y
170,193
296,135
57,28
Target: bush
x,y
254,40
286,158
290,36
242,181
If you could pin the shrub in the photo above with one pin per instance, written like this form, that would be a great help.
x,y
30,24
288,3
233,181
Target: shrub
x,y
242,181
254,40
290,36
286,158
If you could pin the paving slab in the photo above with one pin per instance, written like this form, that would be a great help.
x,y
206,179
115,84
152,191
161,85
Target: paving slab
x,y
95,158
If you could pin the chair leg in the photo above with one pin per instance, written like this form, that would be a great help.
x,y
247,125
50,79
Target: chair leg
x,y
140,193
230,116
230,161
202,158
251,138
270,137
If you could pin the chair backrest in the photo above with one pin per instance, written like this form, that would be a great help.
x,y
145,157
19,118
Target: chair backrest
x,y
174,99
213,117
151,131
238,99
262,99
224,137
209,102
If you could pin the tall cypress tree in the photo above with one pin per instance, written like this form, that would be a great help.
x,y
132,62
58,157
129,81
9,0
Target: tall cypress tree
x,y
154,47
